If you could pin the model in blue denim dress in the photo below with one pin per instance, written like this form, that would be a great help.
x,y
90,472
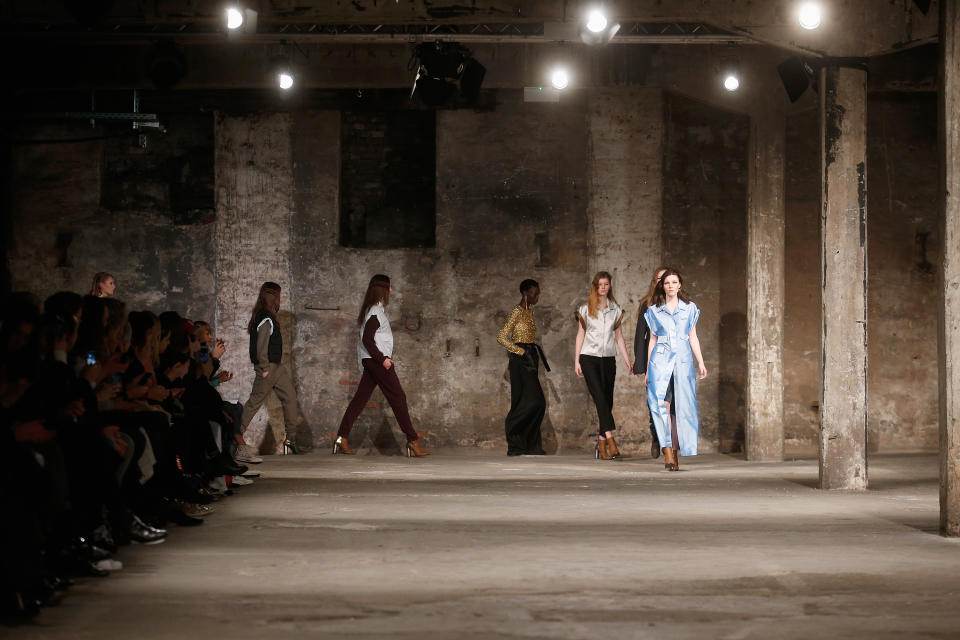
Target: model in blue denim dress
x,y
673,357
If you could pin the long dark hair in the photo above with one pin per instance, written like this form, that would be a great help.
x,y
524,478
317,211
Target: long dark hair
x,y
660,296
377,291
267,300
648,299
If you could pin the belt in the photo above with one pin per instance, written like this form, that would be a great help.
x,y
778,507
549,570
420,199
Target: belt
x,y
534,345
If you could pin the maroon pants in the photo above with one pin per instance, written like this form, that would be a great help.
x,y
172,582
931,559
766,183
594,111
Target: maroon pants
x,y
374,375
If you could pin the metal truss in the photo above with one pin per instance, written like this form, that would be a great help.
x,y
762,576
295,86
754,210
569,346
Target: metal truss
x,y
507,32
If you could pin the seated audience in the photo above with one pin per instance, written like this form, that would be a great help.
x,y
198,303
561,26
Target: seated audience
x,y
111,429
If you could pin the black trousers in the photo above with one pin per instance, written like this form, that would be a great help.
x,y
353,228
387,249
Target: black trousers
x,y
600,374
527,405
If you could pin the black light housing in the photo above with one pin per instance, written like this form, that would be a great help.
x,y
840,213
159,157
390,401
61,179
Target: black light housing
x,y
165,64
440,67
797,75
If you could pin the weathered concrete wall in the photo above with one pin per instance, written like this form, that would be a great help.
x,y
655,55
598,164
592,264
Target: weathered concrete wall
x,y
902,302
801,334
903,235
144,215
704,236
949,185
510,169
253,230
765,294
625,199
503,177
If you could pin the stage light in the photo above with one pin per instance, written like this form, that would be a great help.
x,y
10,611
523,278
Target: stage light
x,y
234,18
240,20
731,82
560,79
165,64
440,67
285,80
809,15
596,29
596,21
797,76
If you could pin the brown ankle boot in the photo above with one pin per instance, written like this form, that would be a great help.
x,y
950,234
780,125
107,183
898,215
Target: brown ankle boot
x,y
612,448
414,450
602,453
340,445
669,459
676,462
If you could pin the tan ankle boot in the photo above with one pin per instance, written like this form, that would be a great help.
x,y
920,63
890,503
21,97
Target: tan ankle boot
x,y
612,448
602,453
669,459
414,450
340,445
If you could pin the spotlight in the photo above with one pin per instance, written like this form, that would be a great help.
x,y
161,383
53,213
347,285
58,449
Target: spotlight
x,y
285,80
809,15
234,18
731,82
596,29
560,79
596,21
240,20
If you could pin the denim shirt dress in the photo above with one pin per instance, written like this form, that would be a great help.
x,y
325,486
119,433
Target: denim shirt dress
x,y
673,357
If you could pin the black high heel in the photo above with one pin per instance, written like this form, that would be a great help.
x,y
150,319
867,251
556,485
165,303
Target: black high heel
x,y
290,447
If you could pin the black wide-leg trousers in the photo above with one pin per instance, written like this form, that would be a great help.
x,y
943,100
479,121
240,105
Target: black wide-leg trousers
x,y
600,374
527,405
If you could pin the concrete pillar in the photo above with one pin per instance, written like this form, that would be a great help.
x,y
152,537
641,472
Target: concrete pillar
x,y
765,287
949,320
252,239
624,215
843,261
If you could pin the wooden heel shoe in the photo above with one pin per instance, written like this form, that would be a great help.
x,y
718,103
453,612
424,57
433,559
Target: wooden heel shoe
x,y
670,459
601,452
414,450
340,445
612,448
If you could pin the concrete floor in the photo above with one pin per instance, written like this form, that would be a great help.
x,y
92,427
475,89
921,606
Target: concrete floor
x,y
473,547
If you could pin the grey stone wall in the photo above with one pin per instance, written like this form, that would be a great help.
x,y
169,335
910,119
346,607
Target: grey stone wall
x,y
549,191
109,205
705,238
903,251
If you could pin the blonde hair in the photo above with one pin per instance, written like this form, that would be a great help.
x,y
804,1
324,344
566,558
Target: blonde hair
x,y
594,300
99,278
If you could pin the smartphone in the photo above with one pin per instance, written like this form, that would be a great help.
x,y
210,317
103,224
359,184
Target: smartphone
x,y
91,357
204,352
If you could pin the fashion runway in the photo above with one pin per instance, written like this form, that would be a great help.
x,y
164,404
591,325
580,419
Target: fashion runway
x,y
481,547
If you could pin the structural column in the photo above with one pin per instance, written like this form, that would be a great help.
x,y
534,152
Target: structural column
x,y
949,320
624,211
765,287
252,239
843,261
